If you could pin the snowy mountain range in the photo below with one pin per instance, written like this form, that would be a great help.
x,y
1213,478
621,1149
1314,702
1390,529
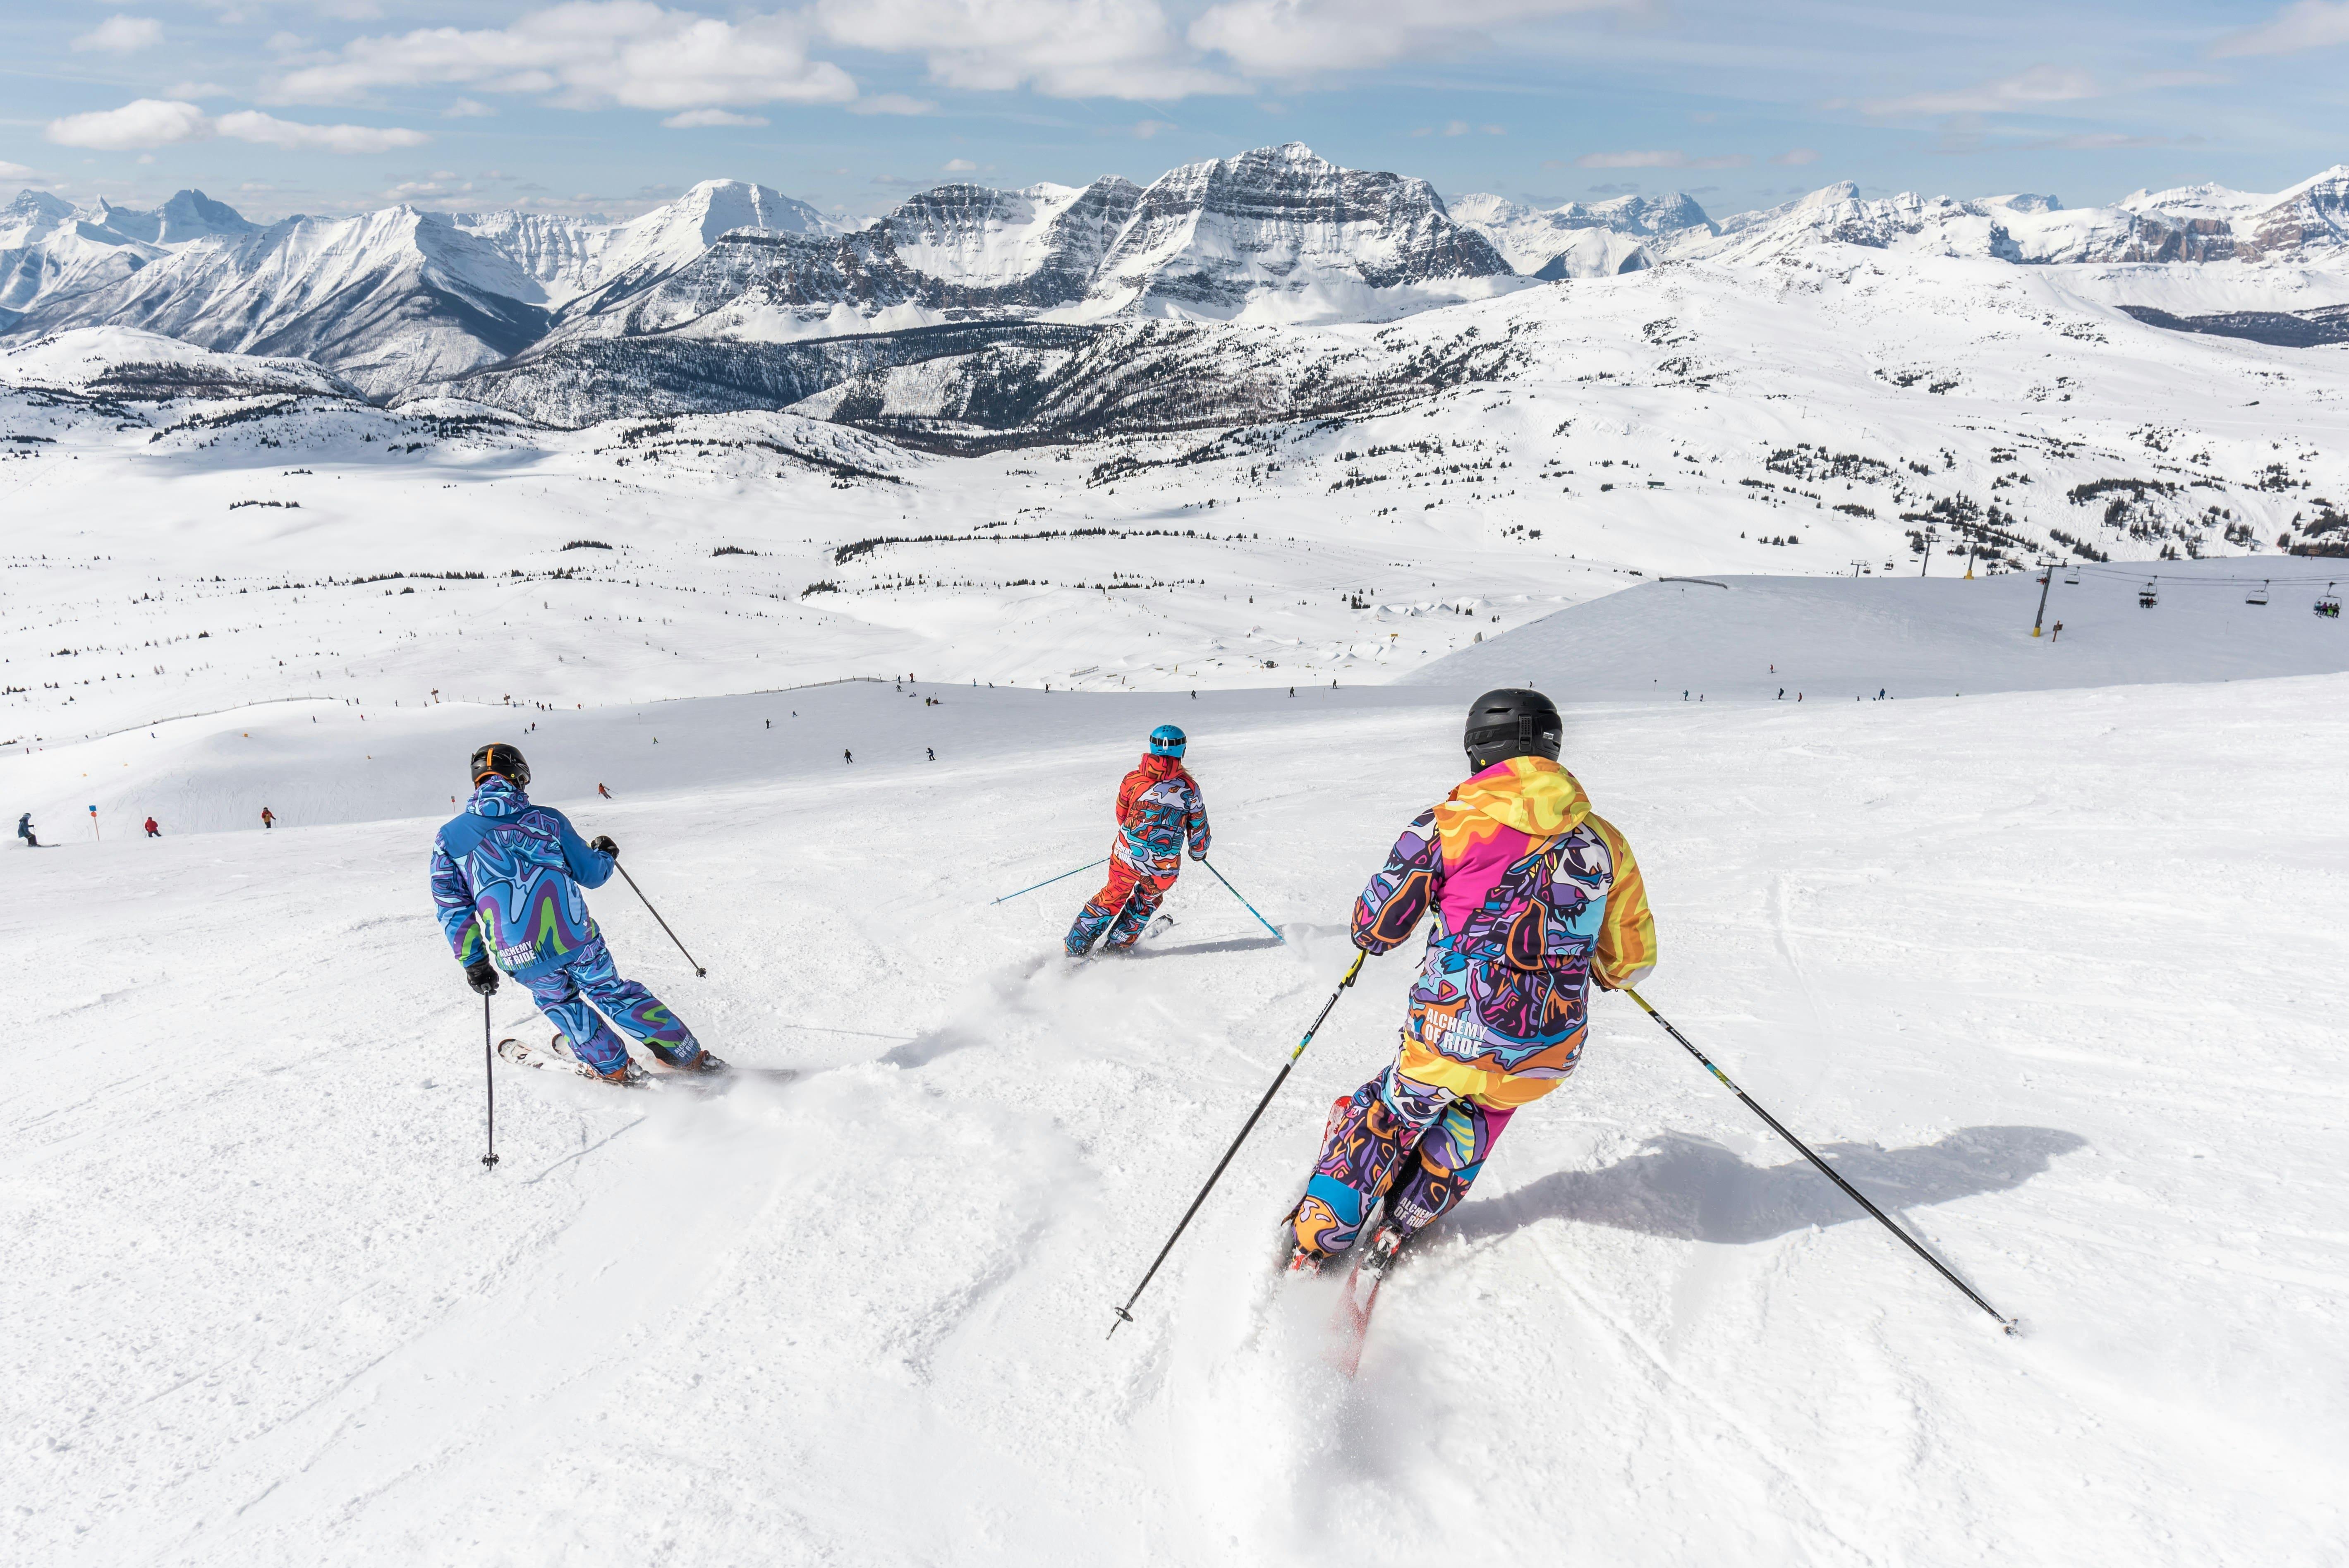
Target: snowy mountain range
x,y
717,287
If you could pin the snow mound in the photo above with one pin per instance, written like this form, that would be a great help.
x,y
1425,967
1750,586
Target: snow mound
x,y
126,360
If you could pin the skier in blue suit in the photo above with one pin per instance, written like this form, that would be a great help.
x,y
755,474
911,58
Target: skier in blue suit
x,y
506,880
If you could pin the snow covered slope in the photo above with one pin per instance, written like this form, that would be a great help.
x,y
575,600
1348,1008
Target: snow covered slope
x,y
266,1306
1734,639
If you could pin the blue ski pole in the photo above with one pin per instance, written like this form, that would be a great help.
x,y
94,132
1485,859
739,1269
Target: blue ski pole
x,y
1251,908
1048,881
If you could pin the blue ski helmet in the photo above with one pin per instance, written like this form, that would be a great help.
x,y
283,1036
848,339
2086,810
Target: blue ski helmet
x,y
1167,741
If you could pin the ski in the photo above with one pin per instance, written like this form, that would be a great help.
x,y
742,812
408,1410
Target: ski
x,y
1349,1325
527,1056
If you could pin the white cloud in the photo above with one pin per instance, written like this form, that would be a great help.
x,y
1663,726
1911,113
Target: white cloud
x,y
694,119
163,122
1062,48
1144,129
252,124
1662,160
1457,127
1796,156
589,54
145,122
2307,24
891,103
13,170
2035,88
195,90
122,35
1297,38
958,166
467,109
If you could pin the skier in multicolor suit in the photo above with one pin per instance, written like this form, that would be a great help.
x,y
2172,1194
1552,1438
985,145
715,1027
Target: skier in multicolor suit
x,y
1159,807
1533,896
506,877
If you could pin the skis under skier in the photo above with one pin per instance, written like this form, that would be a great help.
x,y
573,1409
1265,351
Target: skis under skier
x,y
1533,896
1159,808
506,878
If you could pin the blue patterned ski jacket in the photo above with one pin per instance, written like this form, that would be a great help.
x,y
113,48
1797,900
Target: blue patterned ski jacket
x,y
510,872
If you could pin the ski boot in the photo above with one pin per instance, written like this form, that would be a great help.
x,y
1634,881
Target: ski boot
x,y
1385,1242
704,1061
627,1075
1304,1263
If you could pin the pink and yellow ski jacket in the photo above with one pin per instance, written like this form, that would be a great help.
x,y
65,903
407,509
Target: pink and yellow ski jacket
x,y
1533,896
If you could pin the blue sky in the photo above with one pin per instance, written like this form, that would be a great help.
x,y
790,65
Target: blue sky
x,y
328,106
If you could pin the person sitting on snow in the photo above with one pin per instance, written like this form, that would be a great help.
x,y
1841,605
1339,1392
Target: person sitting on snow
x,y
1533,897
1158,807
506,880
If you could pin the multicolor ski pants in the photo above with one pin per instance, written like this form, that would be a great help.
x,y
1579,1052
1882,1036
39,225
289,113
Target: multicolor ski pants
x,y
563,993
1416,1135
1129,899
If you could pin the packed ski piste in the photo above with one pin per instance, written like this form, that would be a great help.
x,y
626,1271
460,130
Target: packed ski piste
x,y
1530,897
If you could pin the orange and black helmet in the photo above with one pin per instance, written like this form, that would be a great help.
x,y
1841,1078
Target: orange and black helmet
x,y
503,760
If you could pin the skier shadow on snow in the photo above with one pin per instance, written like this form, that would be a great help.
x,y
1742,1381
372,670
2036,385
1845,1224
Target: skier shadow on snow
x,y
1692,1190
1237,945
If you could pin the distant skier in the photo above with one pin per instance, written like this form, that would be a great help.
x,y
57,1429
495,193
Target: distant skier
x,y
1533,897
24,831
267,817
1159,809
603,792
506,877
152,830
846,756
932,751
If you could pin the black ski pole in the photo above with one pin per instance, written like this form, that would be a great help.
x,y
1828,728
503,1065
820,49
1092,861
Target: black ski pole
x,y
1826,1170
489,1085
1124,1313
697,970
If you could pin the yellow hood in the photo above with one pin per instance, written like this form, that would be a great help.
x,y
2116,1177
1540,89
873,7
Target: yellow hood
x,y
1531,794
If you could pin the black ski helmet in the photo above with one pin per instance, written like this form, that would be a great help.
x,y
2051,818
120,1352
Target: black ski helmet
x,y
503,760
1512,722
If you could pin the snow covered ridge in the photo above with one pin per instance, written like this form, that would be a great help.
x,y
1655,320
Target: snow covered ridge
x,y
406,303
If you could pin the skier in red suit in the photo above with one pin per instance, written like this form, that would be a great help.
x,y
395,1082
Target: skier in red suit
x,y
1159,809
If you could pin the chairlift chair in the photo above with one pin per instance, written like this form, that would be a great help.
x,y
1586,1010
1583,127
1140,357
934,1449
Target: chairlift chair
x,y
2329,606
2257,595
2149,596
2071,573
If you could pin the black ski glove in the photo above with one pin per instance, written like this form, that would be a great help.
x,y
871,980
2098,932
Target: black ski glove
x,y
482,977
603,845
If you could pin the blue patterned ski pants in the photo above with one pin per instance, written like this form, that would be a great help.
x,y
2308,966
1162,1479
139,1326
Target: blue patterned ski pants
x,y
564,995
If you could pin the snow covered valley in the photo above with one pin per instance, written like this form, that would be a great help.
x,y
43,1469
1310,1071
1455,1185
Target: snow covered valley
x,y
2044,972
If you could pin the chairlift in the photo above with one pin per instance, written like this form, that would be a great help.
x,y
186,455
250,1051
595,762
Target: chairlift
x,y
2329,606
2071,573
2149,596
2257,595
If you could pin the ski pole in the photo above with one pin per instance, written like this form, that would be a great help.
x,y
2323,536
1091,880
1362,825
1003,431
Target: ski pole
x,y
490,1086
1251,908
1124,1313
1826,1170
698,971
1048,881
